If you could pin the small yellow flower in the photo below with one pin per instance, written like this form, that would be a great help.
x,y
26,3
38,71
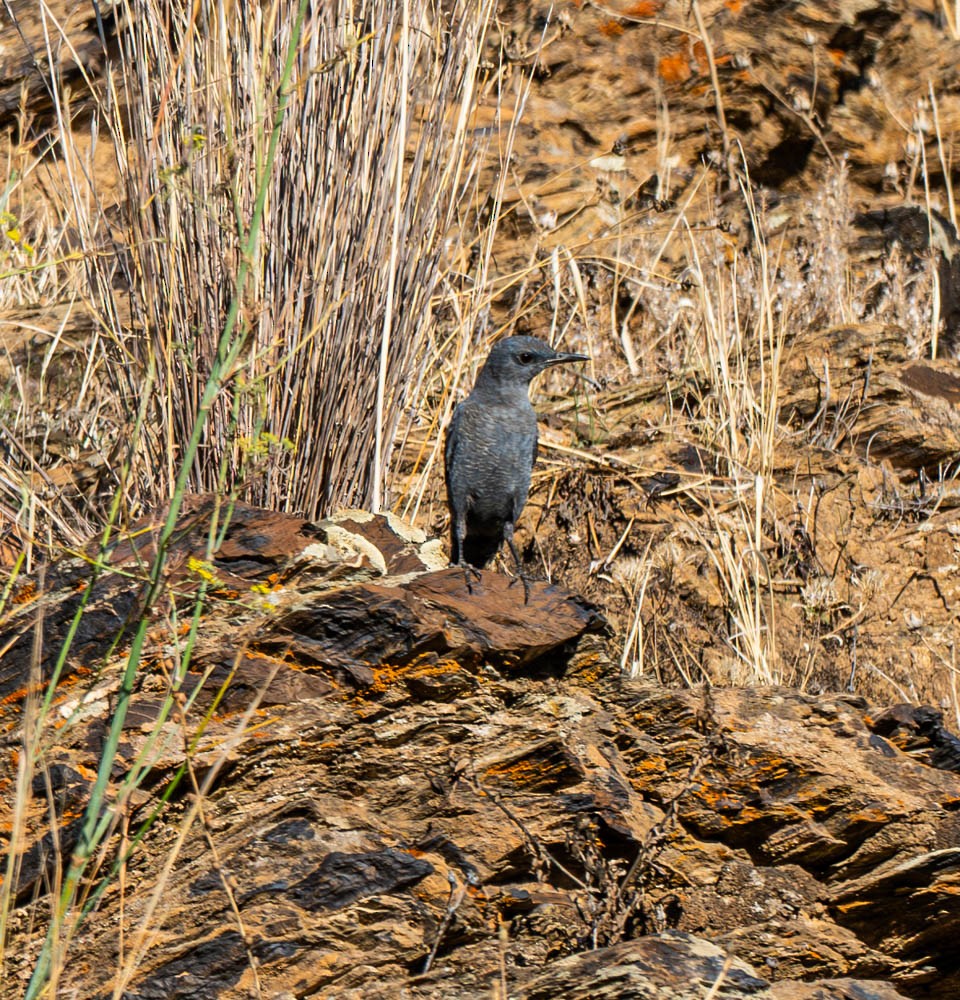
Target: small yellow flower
x,y
203,569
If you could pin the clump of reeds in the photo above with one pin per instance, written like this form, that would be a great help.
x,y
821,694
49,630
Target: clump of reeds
x,y
374,154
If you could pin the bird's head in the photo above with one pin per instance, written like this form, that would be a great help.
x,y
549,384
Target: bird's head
x,y
516,360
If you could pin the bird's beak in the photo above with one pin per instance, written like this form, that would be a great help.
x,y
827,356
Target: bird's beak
x,y
562,359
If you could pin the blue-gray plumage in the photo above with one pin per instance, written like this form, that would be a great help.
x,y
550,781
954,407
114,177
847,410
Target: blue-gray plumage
x,y
491,449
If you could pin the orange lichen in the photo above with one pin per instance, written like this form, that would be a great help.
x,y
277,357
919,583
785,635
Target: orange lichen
x,y
644,8
257,654
525,771
734,6
384,677
611,29
871,816
772,768
15,696
653,765
675,68
423,666
262,732
591,668
855,906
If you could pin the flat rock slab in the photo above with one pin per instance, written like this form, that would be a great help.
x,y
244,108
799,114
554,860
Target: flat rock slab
x,y
360,629
677,966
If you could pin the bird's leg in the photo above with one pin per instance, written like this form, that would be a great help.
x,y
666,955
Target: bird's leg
x,y
508,536
469,571
459,533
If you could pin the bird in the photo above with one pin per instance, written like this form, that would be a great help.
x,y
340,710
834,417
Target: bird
x,y
490,450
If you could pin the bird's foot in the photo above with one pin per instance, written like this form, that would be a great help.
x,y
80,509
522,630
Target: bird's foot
x,y
522,577
508,535
469,571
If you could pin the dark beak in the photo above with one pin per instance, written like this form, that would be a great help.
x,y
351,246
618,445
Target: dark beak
x,y
562,359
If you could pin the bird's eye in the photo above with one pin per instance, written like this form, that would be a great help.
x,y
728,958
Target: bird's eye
x,y
525,357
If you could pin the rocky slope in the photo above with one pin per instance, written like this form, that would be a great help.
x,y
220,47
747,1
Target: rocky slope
x,y
412,790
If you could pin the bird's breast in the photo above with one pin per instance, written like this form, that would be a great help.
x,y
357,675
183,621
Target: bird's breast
x,y
494,455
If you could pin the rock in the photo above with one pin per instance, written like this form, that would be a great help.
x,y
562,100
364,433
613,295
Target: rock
x,y
859,378
920,731
677,966
917,234
360,629
668,965
260,554
415,790
26,51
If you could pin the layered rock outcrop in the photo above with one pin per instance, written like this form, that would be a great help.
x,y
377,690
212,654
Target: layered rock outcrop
x,y
406,789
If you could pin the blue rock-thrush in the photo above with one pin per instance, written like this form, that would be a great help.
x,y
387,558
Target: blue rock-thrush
x,y
491,449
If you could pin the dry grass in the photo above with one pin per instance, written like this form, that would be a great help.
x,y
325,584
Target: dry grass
x,y
376,165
